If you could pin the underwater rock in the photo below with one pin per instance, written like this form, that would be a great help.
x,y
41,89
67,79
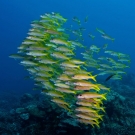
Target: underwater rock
x,y
26,98
12,111
25,116
33,110
20,110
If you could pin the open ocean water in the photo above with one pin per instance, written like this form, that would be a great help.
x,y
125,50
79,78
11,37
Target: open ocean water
x,y
24,111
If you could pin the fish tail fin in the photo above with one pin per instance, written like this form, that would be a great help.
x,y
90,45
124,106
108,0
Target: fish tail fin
x,y
113,39
101,117
96,88
103,109
104,96
96,123
94,78
93,37
79,67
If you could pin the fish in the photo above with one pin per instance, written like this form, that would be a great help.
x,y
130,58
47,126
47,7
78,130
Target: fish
x,y
47,85
75,61
94,48
105,36
62,85
69,64
86,117
59,56
91,36
65,90
82,29
55,32
37,53
55,94
47,61
86,88
117,77
86,19
28,63
91,122
109,77
84,77
103,87
38,34
32,38
88,95
86,110
87,104
84,83
16,56
75,19
105,46
100,31
124,60
59,101
64,77
60,41
63,49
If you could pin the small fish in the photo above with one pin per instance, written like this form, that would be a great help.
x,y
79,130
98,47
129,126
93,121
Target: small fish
x,y
59,17
69,64
82,29
48,61
36,34
65,90
32,38
47,85
28,63
16,56
124,60
44,68
86,109
84,76
62,85
86,19
91,36
76,20
63,49
52,32
105,46
109,77
86,88
55,94
103,87
59,56
117,77
100,31
86,117
60,41
92,95
75,43
77,33
94,48
59,101
91,122
87,104
75,61
64,77
28,42
36,53
105,36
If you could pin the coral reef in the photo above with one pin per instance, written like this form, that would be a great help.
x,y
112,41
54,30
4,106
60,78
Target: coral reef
x,y
36,115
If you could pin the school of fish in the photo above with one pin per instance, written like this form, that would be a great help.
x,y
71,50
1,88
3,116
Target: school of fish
x,y
48,54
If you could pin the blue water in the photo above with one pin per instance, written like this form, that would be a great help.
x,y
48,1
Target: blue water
x,y
117,18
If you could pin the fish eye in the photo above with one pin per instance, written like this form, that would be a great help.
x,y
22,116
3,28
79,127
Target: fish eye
x,y
80,95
